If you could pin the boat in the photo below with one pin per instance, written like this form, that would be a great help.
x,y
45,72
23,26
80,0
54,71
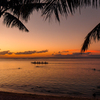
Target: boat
x,y
39,62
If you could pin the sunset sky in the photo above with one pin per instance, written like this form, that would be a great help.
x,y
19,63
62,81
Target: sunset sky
x,y
47,39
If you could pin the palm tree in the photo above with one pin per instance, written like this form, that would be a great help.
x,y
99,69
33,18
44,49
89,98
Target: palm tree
x,y
14,10
65,7
93,35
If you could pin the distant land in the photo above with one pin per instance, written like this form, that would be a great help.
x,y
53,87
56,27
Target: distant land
x,y
87,57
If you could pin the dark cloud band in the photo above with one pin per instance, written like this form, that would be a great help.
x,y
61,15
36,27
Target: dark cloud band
x,y
22,53
31,52
5,52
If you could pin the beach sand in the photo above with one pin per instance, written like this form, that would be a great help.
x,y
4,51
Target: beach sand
x,y
21,96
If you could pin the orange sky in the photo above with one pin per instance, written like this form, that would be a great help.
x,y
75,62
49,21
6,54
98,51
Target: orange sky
x,y
55,37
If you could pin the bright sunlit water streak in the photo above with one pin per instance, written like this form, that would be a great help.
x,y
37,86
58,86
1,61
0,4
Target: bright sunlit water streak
x,y
76,77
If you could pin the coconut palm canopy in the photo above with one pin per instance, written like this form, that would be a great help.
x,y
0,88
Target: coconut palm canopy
x,y
14,11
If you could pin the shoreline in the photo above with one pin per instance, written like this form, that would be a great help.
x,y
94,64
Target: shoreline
x,y
25,96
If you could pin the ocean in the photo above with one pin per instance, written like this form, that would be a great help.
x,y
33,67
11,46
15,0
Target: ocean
x,y
73,77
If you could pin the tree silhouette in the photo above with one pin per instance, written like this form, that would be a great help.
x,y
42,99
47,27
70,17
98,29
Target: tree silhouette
x,y
63,7
13,11
93,35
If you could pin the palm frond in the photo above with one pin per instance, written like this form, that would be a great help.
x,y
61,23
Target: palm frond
x,y
27,9
3,3
59,7
32,1
12,21
93,35
52,7
65,7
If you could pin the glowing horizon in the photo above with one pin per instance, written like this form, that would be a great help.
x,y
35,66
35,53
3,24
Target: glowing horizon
x,y
46,53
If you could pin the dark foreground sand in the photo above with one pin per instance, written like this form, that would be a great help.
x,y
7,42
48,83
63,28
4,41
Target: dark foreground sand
x,y
20,96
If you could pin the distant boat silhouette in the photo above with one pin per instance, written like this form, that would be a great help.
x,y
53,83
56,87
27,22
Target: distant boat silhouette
x,y
39,62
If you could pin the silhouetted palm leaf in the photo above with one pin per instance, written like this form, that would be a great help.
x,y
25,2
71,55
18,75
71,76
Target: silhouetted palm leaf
x,y
60,7
12,21
27,9
24,10
94,34
65,7
18,8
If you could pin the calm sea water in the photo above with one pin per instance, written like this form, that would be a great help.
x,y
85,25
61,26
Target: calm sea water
x,y
76,77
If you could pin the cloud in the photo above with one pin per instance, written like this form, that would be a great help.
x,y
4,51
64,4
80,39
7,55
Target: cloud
x,y
81,54
53,54
31,52
65,51
59,52
94,51
10,53
25,52
78,54
43,51
5,52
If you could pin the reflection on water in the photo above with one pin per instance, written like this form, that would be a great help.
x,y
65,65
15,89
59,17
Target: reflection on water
x,y
59,77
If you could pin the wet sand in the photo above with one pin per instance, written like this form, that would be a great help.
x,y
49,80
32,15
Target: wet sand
x,y
21,96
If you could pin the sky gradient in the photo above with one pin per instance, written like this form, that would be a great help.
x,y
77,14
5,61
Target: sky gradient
x,y
47,39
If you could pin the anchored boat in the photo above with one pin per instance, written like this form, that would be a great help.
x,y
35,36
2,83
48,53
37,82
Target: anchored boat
x,y
39,62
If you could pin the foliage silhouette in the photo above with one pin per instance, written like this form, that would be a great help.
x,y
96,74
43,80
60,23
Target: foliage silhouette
x,y
13,11
19,10
93,35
